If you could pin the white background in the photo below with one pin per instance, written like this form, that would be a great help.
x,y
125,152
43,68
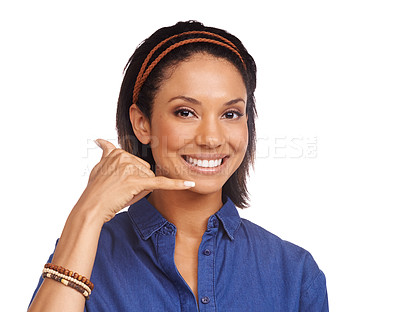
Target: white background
x,y
327,172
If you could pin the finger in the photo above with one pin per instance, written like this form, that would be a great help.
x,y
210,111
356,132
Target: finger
x,y
106,146
163,183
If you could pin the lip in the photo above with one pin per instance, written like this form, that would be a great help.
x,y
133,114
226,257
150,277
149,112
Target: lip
x,y
202,170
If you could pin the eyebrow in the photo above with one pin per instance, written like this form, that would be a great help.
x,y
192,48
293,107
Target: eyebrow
x,y
194,101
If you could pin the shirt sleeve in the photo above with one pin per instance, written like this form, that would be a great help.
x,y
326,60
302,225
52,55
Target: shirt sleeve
x,y
315,297
41,281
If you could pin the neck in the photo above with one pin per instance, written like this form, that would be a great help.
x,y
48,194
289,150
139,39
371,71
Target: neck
x,y
187,210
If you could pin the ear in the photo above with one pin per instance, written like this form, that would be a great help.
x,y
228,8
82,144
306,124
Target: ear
x,y
140,124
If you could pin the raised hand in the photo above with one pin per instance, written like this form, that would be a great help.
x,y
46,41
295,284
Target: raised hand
x,y
121,179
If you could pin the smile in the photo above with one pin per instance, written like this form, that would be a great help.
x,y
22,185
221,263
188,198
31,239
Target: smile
x,y
208,163
203,163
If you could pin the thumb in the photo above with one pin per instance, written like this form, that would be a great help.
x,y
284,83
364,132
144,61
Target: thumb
x,y
106,146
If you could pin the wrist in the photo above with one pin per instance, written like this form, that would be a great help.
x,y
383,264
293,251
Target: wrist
x,y
77,246
88,212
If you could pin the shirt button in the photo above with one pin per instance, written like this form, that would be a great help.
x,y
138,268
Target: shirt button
x,y
207,252
205,300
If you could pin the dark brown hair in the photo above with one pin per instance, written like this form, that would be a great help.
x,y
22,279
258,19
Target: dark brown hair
x,y
235,188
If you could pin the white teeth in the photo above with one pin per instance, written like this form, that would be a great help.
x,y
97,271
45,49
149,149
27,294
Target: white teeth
x,y
204,163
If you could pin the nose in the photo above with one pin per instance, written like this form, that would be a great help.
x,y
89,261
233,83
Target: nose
x,y
210,133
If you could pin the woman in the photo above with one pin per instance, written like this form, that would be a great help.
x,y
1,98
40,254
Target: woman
x,y
185,122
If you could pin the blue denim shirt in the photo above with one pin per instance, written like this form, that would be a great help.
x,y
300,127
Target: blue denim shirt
x,y
241,267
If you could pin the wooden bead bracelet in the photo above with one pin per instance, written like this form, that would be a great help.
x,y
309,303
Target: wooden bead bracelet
x,y
71,284
69,273
68,278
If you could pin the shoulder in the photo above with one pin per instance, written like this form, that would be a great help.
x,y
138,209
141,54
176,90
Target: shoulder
x,y
290,262
290,258
282,265
120,221
117,229
263,238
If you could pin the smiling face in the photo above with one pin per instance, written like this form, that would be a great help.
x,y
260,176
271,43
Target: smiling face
x,y
198,128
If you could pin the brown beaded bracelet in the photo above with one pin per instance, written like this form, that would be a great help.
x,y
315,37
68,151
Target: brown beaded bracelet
x,y
71,284
69,273
68,278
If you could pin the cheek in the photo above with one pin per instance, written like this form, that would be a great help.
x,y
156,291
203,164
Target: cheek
x,y
238,138
167,138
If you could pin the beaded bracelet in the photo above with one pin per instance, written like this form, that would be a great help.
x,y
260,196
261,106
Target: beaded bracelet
x,y
67,283
69,273
68,278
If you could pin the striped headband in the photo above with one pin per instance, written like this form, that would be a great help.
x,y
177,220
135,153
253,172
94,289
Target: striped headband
x,y
144,73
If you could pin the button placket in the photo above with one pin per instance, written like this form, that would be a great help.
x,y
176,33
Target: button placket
x,y
165,252
206,274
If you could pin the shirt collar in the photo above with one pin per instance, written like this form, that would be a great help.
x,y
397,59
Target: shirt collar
x,y
229,217
148,219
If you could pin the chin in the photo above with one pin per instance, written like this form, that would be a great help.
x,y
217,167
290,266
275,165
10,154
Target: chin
x,y
205,188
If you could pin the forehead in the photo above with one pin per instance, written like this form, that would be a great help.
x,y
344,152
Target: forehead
x,y
203,73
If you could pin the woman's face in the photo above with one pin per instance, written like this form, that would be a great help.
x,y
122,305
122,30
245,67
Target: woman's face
x,y
199,123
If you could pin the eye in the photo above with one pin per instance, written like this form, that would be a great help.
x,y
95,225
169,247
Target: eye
x,y
233,115
184,112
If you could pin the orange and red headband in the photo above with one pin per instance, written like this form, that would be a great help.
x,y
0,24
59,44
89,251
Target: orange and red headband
x,y
144,73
